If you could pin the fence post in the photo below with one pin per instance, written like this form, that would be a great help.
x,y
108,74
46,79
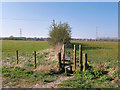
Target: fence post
x,y
59,61
17,55
70,68
74,58
80,57
84,61
66,70
64,56
35,59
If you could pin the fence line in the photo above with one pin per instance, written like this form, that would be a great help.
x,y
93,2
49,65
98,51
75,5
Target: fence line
x,y
61,60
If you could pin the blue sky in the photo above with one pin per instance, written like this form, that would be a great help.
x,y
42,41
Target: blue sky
x,y
35,18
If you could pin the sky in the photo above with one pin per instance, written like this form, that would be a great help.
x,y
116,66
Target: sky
x,y
35,18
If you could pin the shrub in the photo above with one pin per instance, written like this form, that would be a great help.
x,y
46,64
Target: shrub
x,y
60,33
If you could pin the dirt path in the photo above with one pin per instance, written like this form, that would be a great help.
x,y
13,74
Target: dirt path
x,y
53,84
52,56
60,77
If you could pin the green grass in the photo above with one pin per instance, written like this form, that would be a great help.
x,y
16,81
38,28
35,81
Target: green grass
x,y
76,82
88,79
25,51
15,75
9,48
100,52
101,55
23,46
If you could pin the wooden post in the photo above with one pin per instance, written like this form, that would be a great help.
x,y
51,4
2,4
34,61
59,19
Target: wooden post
x,y
84,62
66,70
70,68
17,55
59,61
35,59
74,58
80,57
71,55
63,55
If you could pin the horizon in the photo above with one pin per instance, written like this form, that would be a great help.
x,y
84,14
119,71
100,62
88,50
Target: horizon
x,y
35,18
71,37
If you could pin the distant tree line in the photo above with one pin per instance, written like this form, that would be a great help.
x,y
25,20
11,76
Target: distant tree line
x,y
100,39
23,38
107,39
46,39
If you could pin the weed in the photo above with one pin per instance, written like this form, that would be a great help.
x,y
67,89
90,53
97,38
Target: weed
x,y
49,78
116,74
54,62
106,78
30,64
76,82
64,74
97,72
88,74
108,66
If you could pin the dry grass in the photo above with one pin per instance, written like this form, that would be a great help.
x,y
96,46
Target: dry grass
x,y
42,68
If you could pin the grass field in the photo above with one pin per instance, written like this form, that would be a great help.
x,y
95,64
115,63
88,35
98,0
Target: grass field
x,y
101,55
15,74
9,47
101,52
25,49
24,46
